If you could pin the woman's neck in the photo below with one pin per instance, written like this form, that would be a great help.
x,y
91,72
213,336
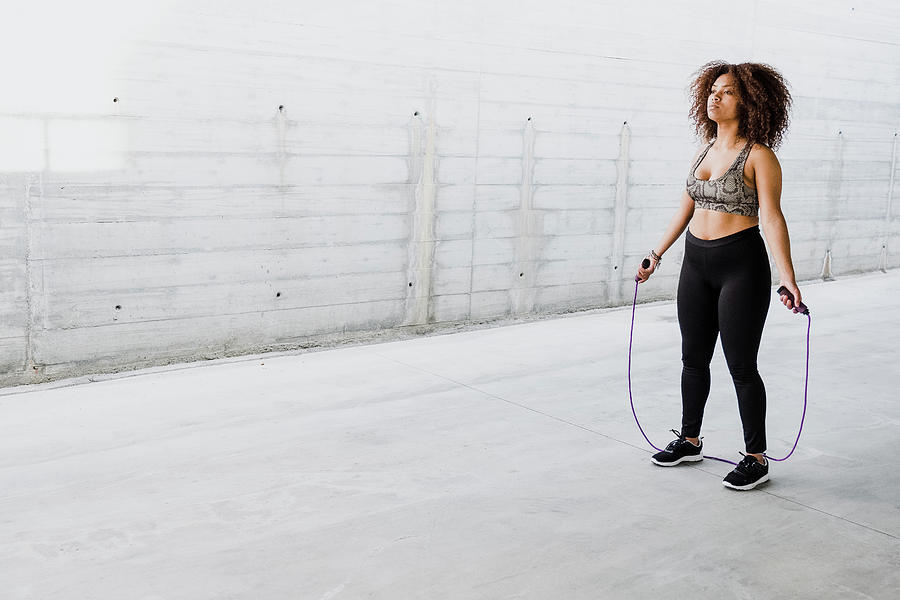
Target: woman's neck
x,y
727,135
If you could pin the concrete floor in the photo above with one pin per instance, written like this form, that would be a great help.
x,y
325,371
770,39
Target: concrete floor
x,y
494,464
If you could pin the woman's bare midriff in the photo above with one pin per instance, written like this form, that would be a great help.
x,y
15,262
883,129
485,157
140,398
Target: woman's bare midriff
x,y
712,224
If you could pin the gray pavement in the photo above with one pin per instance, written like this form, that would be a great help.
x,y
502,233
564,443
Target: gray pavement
x,y
491,464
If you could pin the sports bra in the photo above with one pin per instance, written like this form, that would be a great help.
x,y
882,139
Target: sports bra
x,y
728,193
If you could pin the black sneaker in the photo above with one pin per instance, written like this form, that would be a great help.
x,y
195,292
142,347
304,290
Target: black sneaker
x,y
748,474
678,451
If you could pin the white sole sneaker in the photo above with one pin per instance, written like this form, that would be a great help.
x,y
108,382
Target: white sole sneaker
x,y
696,458
749,486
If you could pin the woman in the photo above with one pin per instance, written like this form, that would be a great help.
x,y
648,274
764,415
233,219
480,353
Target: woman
x,y
733,186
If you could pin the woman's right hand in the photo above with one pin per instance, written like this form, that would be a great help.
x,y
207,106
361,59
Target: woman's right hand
x,y
644,274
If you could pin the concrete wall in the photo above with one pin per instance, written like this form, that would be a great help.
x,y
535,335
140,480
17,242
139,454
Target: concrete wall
x,y
206,178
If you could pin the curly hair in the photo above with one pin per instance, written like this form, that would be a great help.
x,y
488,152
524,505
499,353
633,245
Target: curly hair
x,y
764,101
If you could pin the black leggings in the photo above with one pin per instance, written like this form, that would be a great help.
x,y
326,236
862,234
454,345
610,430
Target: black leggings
x,y
724,289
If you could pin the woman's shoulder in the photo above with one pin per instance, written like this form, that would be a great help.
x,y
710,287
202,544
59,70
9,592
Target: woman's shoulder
x,y
762,161
760,154
761,149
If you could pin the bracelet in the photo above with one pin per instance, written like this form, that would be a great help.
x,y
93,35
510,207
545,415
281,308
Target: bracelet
x,y
656,257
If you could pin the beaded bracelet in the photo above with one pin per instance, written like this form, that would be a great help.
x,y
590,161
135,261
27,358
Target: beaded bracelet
x,y
656,257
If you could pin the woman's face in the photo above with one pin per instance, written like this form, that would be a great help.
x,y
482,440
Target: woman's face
x,y
722,103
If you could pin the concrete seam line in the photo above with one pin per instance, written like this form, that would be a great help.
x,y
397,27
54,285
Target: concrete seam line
x,y
496,397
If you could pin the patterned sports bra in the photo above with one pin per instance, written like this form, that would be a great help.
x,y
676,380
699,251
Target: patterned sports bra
x,y
727,193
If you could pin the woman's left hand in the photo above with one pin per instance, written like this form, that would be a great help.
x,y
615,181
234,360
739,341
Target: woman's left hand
x,y
791,286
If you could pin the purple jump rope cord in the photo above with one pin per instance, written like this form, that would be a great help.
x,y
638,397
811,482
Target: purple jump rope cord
x,y
631,399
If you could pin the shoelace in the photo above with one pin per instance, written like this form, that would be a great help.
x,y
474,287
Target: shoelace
x,y
681,440
747,463
673,443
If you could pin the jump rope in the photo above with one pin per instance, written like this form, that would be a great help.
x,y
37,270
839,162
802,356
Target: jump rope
x,y
782,291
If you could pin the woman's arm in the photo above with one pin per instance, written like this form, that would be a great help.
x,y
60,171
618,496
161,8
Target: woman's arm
x,y
676,227
767,173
